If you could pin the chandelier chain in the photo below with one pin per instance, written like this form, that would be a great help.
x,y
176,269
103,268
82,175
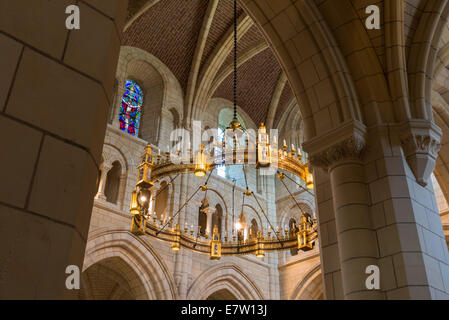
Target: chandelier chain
x,y
235,59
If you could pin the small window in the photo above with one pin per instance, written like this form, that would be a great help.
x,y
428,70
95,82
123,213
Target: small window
x,y
130,110
202,217
162,201
254,229
217,218
111,189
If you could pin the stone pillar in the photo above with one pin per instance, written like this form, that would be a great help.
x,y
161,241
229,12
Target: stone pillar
x,y
104,172
356,238
55,94
328,244
376,208
209,227
357,245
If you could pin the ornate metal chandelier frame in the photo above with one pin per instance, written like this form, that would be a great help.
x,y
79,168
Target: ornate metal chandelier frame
x,y
261,153
154,168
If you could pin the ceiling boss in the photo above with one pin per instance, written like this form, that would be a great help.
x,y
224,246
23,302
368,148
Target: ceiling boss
x,y
260,150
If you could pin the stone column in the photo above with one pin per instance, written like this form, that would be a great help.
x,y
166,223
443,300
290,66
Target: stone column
x,y
376,207
356,238
209,227
104,172
49,174
357,245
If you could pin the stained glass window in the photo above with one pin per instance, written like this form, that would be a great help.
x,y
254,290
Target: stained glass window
x,y
130,110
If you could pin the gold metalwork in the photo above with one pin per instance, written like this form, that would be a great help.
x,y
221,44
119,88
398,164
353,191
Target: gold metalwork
x,y
201,166
151,172
215,248
176,246
304,233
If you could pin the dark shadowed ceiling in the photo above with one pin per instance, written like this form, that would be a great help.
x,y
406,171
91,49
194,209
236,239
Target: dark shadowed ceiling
x,y
170,29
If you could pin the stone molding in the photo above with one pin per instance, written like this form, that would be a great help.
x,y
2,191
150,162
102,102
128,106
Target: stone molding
x,y
417,143
420,140
345,142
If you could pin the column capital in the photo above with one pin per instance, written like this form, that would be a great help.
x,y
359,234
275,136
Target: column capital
x,y
105,167
420,140
345,142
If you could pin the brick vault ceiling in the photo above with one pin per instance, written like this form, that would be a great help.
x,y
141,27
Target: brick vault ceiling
x,y
169,30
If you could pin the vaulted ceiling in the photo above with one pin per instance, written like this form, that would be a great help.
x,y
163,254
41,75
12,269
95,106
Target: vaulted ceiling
x,y
194,38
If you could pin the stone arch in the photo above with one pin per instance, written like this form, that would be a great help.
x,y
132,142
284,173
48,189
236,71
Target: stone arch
x,y
224,276
221,201
156,80
222,294
111,279
426,61
254,214
151,270
311,286
293,212
216,105
112,153
320,44
441,116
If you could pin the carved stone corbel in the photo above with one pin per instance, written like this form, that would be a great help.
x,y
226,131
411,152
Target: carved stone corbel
x,y
345,142
420,141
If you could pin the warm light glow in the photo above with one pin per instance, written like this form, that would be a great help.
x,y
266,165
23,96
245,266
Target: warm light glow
x,y
174,248
238,226
134,208
309,183
200,173
260,255
143,199
200,165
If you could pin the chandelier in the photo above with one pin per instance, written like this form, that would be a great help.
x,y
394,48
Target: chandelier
x,y
258,150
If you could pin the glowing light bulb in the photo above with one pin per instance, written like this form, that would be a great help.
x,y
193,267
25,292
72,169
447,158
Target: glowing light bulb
x,y
238,226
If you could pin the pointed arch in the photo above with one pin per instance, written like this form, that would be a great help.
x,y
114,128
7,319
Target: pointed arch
x,y
138,253
224,276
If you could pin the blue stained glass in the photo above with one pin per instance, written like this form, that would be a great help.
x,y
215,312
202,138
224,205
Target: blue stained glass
x,y
130,110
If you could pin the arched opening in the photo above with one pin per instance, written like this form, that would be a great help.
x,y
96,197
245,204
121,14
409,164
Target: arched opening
x,y
222,295
310,288
217,218
241,228
253,229
292,229
202,217
112,185
111,279
162,201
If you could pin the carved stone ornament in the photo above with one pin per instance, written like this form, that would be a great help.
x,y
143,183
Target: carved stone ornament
x,y
345,142
421,144
350,148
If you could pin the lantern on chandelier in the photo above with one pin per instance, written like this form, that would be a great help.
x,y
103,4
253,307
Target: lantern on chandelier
x,y
200,163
